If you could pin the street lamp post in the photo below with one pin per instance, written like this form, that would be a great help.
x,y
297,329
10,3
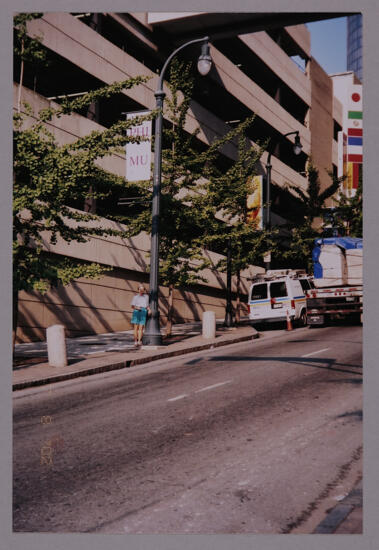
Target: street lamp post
x,y
228,322
153,334
297,147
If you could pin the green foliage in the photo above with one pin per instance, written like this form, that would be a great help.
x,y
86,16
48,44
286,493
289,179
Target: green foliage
x,y
190,204
299,253
225,197
312,201
48,177
179,266
349,213
311,206
38,271
69,105
27,48
183,166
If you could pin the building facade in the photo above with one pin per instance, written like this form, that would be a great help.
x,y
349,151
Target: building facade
x,y
354,45
253,72
349,90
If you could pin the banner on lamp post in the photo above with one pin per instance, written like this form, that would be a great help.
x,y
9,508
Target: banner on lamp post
x,y
267,257
255,201
138,155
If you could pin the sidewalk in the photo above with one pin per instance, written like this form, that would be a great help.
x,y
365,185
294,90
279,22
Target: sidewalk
x,y
113,351
346,518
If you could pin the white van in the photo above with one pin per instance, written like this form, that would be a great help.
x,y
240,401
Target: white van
x,y
277,291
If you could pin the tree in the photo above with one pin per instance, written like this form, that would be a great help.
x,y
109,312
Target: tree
x,y
27,49
348,212
181,258
225,197
311,205
48,178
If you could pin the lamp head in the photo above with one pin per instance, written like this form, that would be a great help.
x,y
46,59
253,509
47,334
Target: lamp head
x,y
297,147
204,62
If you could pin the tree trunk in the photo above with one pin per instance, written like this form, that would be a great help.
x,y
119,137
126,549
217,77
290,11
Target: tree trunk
x,y
14,317
238,302
170,310
21,79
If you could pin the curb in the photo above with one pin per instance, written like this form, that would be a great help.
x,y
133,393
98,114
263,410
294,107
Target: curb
x,y
129,363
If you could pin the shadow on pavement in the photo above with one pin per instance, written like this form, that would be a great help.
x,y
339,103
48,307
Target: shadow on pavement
x,y
330,364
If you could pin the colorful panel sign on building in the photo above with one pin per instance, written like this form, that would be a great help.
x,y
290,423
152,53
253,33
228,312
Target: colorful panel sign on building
x,y
354,138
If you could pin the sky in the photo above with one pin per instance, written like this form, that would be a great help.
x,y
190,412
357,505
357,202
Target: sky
x,y
328,44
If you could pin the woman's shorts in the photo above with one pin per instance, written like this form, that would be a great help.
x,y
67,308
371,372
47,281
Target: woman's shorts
x,y
139,316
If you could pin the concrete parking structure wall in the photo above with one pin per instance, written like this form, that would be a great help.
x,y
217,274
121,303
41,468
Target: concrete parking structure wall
x,y
103,305
321,122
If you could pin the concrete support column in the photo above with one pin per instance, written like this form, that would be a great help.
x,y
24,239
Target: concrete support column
x,y
209,324
56,346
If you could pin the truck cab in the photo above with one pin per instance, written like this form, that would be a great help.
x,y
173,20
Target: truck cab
x,y
278,293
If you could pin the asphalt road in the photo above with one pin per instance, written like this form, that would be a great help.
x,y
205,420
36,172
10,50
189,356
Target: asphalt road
x,y
259,437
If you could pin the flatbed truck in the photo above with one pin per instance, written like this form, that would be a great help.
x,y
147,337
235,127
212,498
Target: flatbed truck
x,y
337,278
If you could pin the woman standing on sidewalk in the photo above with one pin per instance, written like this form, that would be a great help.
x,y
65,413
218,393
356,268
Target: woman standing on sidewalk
x,y
140,307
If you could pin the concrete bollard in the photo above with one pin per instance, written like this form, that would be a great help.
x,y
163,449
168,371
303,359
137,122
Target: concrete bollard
x,y
209,324
56,346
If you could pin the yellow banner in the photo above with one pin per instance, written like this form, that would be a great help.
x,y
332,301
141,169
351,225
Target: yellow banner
x,y
349,179
255,201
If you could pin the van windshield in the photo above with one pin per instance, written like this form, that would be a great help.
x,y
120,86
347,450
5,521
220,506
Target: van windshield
x,y
259,292
278,289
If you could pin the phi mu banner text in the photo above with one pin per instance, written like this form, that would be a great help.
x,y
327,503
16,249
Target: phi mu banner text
x,y
138,155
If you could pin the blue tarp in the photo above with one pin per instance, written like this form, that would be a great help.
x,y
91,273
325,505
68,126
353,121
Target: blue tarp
x,y
347,243
344,242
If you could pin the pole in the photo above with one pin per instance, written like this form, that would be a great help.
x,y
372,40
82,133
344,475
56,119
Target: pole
x,y
152,335
268,186
268,198
229,308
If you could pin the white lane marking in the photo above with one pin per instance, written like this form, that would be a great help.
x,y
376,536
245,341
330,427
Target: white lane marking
x,y
178,397
213,386
202,389
314,352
